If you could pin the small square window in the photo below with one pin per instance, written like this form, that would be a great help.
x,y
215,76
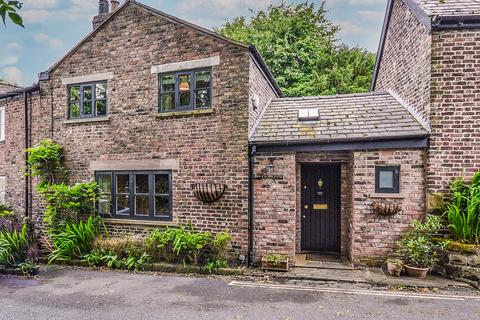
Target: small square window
x,y
387,179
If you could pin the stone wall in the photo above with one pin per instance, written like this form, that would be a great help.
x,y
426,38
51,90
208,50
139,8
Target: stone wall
x,y
454,143
406,61
374,236
208,148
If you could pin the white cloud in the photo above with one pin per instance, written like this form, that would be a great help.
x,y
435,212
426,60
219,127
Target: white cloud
x,y
12,75
9,60
44,38
13,45
224,6
371,14
350,28
39,4
33,16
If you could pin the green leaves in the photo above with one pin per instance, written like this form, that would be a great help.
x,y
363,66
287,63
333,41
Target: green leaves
x,y
463,211
13,247
298,43
9,8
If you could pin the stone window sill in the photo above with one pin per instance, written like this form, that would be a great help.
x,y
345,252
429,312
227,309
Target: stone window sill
x,y
387,196
87,120
140,222
180,114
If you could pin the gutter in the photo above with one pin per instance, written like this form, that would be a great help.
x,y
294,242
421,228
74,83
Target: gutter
x,y
252,150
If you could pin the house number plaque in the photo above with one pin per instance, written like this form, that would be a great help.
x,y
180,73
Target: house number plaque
x,y
320,206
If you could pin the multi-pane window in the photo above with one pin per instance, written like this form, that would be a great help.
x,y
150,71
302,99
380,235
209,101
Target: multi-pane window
x,y
187,90
387,179
135,195
87,100
2,124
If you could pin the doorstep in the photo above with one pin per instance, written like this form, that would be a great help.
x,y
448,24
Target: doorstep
x,y
370,276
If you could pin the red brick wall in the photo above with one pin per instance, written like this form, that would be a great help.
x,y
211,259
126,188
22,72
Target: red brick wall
x,y
12,155
455,141
374,237
275,201
405,65
260,87
208,147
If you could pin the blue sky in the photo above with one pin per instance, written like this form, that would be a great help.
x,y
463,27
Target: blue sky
x,y
52,27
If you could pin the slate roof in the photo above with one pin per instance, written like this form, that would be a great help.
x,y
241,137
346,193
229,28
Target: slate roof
x,y
356,117
5,87
450,7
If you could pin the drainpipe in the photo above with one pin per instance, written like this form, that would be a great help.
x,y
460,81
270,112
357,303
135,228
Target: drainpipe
x,y
27,144
252,150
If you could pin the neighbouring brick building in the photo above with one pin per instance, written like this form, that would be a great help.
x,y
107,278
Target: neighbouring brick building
x,y
179,124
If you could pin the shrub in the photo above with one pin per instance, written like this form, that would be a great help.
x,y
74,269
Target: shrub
x,y
221,245
463,211
190,243
182,242
46,161
69,203
74,240
215,265
120,246
13,247
417,248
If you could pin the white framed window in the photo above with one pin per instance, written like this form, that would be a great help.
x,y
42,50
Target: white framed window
x,y
3,186
2,124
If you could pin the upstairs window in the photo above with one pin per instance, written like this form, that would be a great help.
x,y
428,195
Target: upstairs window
x,y
2,124
87,100
187,90
387,179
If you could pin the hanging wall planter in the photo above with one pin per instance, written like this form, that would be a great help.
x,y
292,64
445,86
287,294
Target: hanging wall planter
x,y
386,210
208,192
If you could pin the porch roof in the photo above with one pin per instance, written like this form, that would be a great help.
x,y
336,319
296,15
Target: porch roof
x,y
450,8
342,118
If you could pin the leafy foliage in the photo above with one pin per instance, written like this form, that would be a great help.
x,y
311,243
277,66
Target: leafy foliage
x,y
5,210
298,43
417,248
274,259
190,243
46,160
221,245
69,203
215,265
13,247
463,211
74,240
10,8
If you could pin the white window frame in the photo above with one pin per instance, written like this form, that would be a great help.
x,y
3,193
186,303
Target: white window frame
x,y
3,188
2,123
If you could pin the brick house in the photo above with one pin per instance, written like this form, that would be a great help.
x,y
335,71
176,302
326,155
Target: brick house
x,y
179,124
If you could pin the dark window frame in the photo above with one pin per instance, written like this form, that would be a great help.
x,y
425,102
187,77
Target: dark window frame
x,y
193,90
132,193
396,179
93,100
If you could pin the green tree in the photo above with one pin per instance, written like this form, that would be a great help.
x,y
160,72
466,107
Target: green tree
x,y
10,8
299,44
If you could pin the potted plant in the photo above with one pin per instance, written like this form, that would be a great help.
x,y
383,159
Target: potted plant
x,y
417,249
394,266
275,262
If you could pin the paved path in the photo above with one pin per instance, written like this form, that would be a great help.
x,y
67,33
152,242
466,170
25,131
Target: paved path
x,y
82,294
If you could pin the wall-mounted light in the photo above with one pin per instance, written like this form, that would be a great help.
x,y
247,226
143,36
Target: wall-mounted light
x,y
271,167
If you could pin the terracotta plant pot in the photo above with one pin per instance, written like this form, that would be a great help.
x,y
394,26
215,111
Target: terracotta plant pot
x,y
420,273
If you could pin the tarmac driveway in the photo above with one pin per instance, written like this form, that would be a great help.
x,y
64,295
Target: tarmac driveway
x,y
65,293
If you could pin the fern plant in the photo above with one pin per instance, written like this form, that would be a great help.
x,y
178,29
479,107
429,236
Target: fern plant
x,y
13,247
463,212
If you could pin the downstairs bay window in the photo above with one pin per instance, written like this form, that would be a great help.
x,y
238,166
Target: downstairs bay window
x,y
135,195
